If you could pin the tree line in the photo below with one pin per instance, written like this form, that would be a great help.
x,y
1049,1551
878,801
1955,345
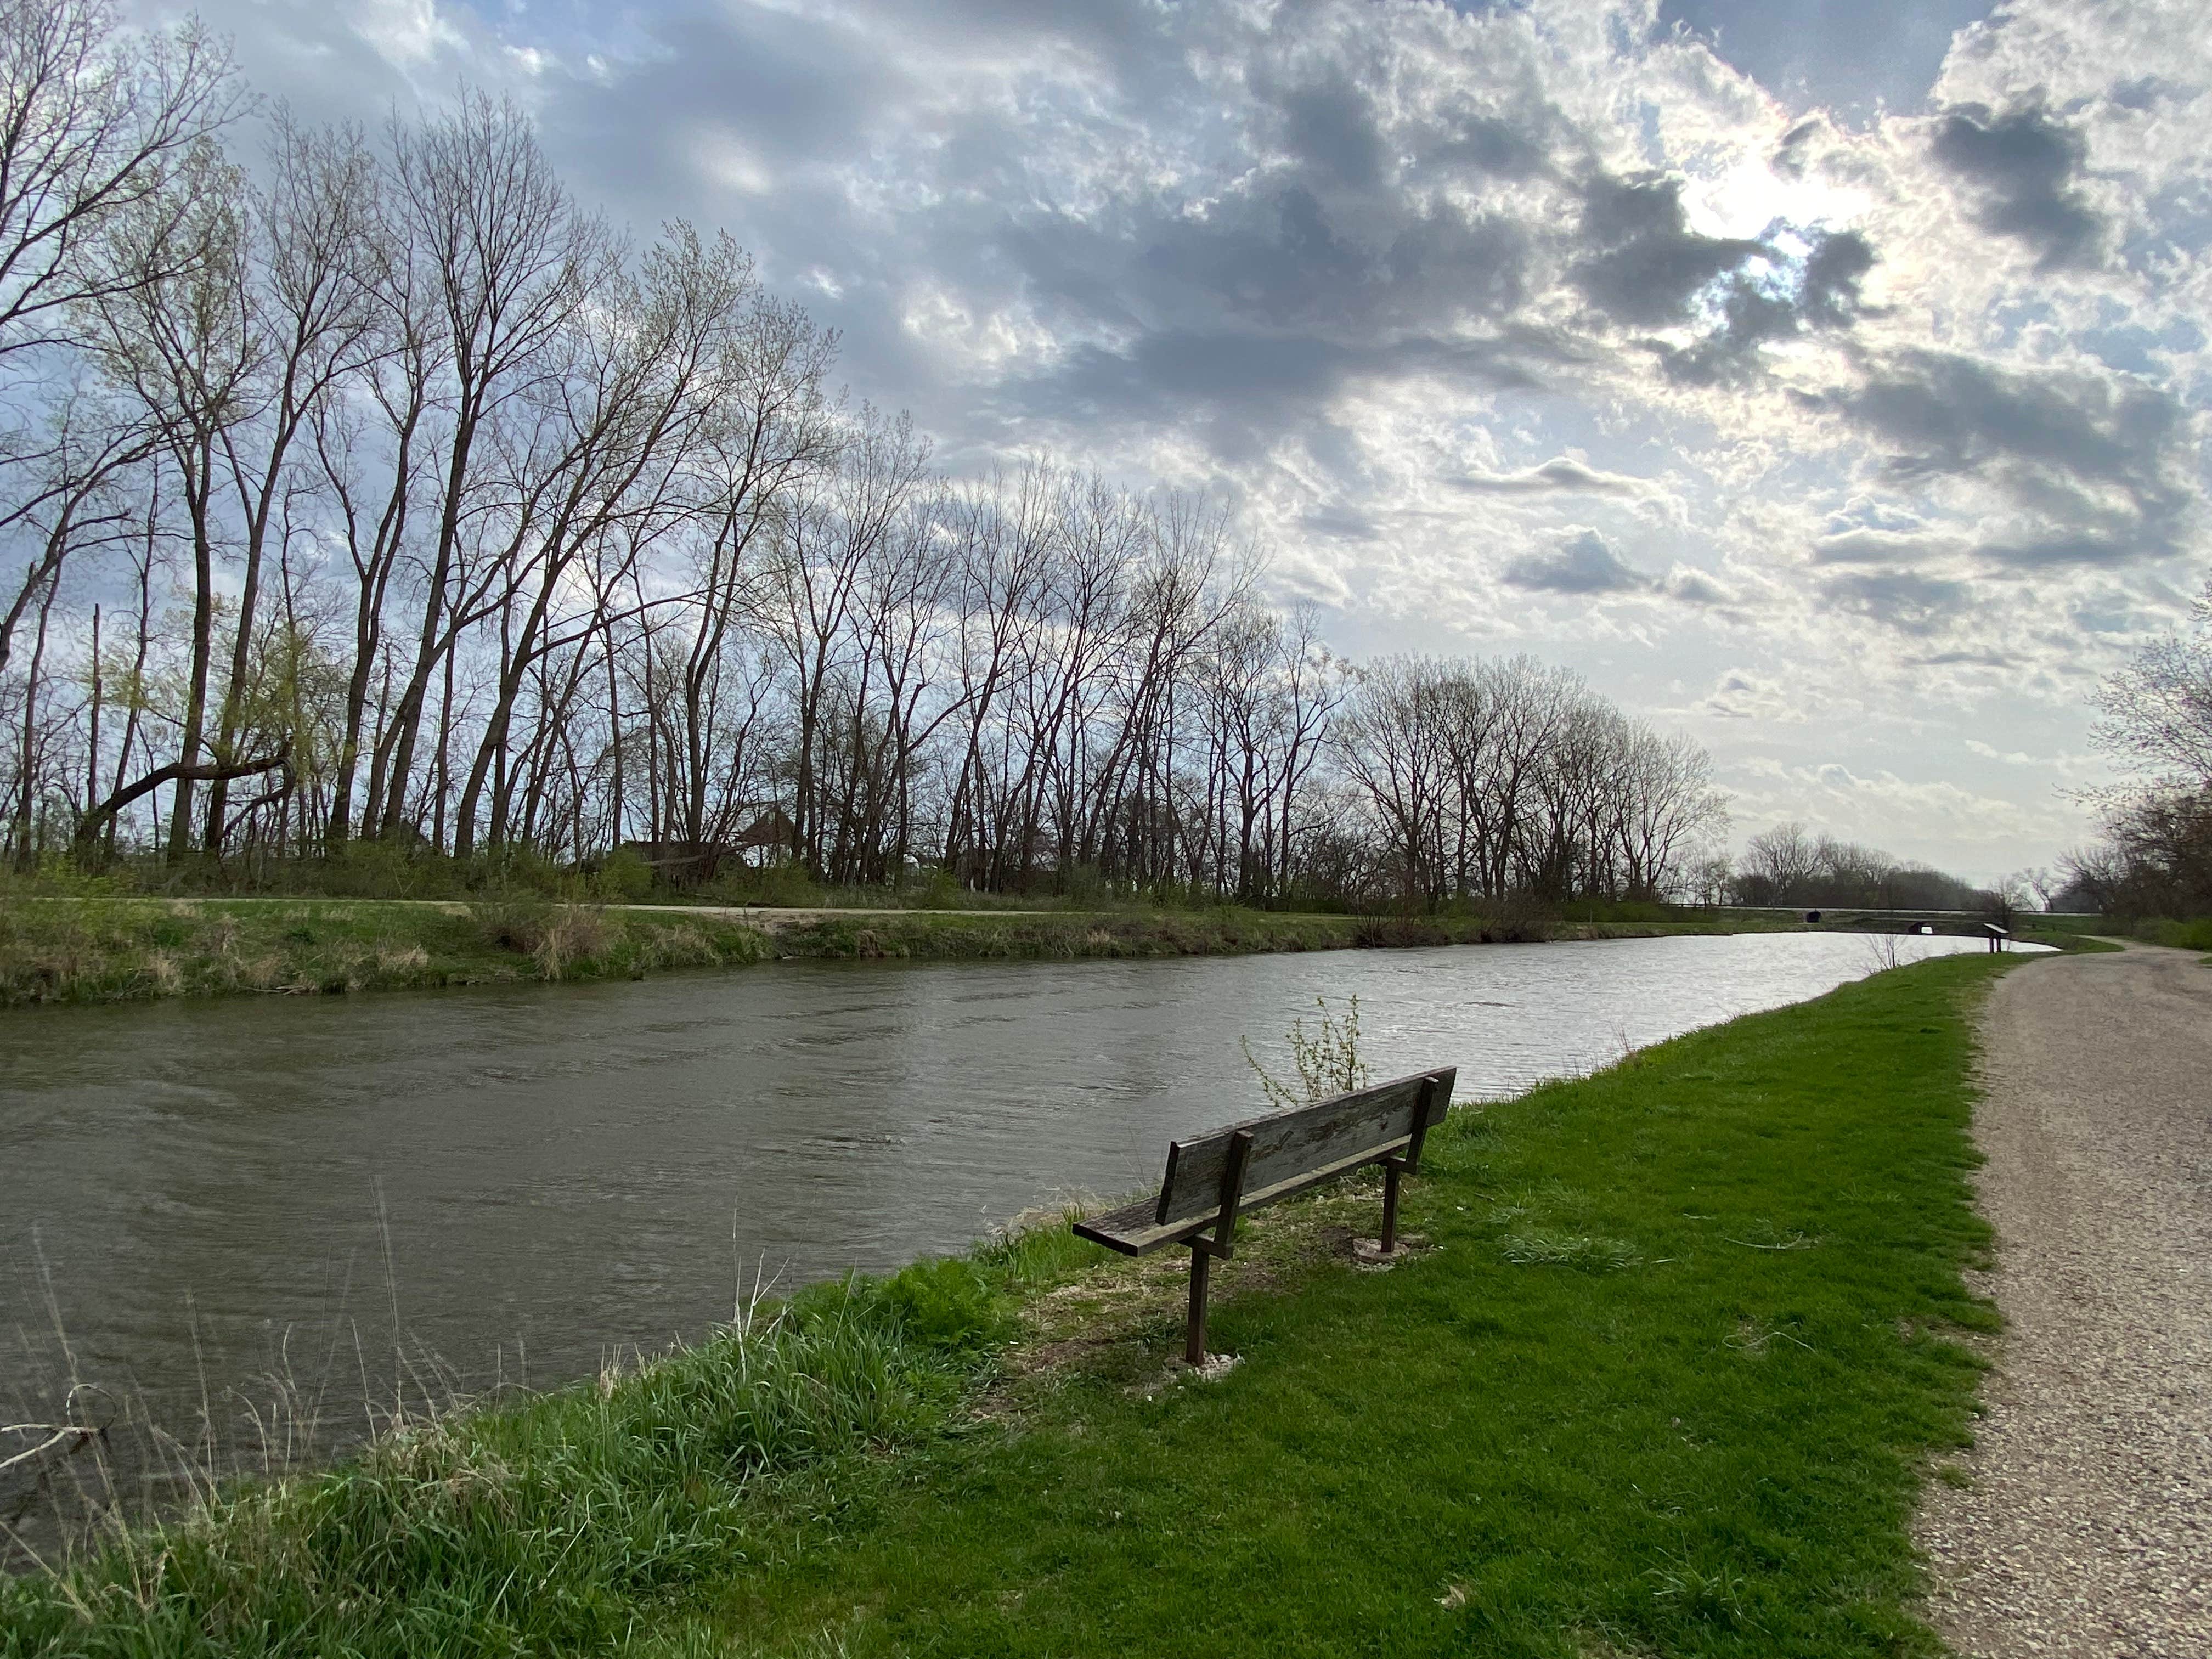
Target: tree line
x,y
377,491
1792,866
2156,720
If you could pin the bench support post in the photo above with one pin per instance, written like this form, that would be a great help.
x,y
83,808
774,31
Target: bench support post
x,y
1223,1243
1409,1160
1194,1336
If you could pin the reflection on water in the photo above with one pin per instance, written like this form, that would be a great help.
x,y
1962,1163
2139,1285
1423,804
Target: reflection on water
x,y
187,1188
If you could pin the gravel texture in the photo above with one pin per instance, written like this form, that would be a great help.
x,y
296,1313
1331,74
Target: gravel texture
x,y
2086,1526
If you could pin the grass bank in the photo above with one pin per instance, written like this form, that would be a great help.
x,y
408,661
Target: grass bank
x,y
1681,1343
107,950
58,949
2073,932
2179,935
1223,930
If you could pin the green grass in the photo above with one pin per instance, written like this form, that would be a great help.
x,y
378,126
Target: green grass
x,y
105,949
531,1527
1682,1343
1213,931
1667,1383
109,948
2062,938
2195,935
2181,935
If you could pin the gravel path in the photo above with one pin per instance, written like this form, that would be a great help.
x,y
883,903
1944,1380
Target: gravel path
x,y
2088,1526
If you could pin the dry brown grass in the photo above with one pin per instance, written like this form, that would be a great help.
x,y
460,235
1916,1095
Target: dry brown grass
x,y
568,935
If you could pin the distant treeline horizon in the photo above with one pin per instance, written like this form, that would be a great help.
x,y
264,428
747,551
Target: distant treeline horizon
x,y
379,492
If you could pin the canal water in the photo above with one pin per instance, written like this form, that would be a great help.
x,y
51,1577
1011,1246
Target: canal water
x,y
523,1182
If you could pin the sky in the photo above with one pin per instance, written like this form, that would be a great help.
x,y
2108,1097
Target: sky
x,y
1827,380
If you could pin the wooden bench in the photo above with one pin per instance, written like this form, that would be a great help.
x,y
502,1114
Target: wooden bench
x,y
1214,1179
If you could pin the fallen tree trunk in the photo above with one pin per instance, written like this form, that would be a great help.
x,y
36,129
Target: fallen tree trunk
x,y
86,841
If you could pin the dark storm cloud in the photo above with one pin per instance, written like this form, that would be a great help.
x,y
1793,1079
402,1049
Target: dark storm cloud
x,y
2023,166
1904,599
1283,254
1325,268
1828,289
1258,381
1946,413
2095,462
1779,297
1164,370
1695,587
1491,145
2060,547
1582,563
1642,266
1326,229
1867,545
1646,263
1285,260
1343,523
1332,128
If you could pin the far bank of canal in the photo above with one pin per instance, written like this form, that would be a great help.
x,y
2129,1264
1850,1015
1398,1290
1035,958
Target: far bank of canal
x,y
531,1178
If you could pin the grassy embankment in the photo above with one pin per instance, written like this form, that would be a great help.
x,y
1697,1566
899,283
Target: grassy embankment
x,y
2179,935
1682,1345
2072,932
62,949
105,950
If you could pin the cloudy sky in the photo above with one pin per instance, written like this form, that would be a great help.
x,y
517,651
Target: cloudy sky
x,y
1829,379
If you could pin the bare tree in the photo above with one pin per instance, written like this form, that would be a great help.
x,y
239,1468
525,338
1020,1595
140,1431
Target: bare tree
x,y
2157,711
94,122
309,315
1778,863
499,533
510,261
175,328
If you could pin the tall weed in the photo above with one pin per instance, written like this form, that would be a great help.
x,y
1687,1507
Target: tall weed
x,y
1328,1059
533,1526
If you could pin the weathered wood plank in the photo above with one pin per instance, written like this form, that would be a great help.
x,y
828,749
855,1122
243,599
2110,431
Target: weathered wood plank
x,y
1132,1231
1128,1229
1335,1136
1288,1146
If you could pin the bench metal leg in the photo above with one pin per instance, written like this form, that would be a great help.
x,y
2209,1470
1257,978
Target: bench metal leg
x,y
1390,1173
1193,1341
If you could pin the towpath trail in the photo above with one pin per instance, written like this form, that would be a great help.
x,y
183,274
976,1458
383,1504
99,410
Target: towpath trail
x,y
2088,1526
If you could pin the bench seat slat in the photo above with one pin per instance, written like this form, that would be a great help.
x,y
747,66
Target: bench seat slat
x,y
1215,1178
1136,1230
1291,1143
1292,1151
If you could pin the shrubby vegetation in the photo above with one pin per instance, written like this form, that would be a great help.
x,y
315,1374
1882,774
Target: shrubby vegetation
x,y
377,493
543,1525
111,950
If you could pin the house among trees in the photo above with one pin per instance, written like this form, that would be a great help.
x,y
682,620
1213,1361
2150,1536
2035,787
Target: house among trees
x,y
766,840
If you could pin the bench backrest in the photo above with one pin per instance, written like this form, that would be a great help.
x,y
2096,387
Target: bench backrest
x,y
1304,1145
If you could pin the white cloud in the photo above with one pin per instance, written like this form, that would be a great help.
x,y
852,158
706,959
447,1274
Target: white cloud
x,y
1975,832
